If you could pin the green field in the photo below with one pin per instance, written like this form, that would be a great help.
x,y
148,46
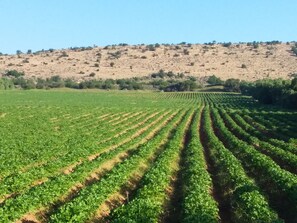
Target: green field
x,y
91,156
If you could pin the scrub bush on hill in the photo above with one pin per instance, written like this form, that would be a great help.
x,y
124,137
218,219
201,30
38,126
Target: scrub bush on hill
x,y
294,49
14,73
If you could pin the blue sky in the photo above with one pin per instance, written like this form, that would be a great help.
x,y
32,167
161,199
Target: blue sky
x,y
44,24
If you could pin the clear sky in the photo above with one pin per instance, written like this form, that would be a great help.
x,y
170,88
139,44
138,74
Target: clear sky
x,y
44,24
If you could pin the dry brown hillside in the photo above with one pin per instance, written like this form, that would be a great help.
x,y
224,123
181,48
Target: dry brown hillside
x,y
236,61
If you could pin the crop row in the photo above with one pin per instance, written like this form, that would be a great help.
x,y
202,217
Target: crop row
x,y
57,187
273,179
148,205
21,181
279,155
246,201
89,199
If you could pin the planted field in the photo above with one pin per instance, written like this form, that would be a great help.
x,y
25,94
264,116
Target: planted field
x,y
74,156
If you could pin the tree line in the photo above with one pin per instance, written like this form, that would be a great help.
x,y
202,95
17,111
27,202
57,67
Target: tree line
x,y
163,81
276,92
267,91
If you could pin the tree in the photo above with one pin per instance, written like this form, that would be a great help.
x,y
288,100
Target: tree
x,y
232,85
151,47
214,80
187,85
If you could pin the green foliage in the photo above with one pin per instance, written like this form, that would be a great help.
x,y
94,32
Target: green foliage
x,y
187,85
162,74
294,49
128,84
214,80
198,205
281,184
294,84
232,85
151,47
14,73
146,140
151,196
115,55
6,84
280,92
226,44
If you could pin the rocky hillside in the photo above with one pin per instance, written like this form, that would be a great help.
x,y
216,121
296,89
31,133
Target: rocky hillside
x,y
243,61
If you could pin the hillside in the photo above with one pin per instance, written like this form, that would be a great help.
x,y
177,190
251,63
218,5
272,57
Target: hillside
x,y
246,62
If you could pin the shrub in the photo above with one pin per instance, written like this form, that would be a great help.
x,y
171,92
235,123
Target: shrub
x,y
55,82
64,54
6,84
227,44
14,73
115,55
294,49
151,47
186,52
187,85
